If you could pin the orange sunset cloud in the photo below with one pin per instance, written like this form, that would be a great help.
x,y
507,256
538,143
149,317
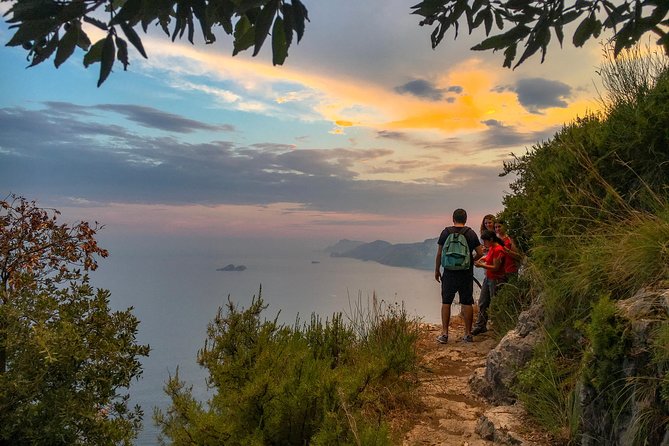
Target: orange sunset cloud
x,y
352,102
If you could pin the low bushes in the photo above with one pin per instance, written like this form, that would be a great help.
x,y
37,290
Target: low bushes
x,y
318,383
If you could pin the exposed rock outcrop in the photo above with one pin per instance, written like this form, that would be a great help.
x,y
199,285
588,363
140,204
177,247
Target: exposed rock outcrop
x,y
500,424
494,381
636,395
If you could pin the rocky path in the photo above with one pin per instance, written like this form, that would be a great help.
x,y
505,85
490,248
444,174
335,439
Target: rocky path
x,y
449,413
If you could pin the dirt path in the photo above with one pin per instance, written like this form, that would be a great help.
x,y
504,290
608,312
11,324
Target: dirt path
x,y
449,413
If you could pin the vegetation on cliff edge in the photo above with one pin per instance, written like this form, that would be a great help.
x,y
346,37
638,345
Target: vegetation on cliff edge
x,y
315,383
591,207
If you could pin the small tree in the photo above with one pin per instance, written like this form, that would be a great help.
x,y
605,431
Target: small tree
x,y
64,356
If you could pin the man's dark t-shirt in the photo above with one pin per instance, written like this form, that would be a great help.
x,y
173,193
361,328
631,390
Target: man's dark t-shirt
x,y
472,241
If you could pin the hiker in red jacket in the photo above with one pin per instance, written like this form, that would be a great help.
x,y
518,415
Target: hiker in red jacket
x,y
493,263
511,252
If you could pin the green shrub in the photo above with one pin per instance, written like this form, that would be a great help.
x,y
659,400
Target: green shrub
x,y
322,382
603,361
651,393
661,360
547,388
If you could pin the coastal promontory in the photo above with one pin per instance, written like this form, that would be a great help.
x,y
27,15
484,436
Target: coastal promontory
x,y
419,255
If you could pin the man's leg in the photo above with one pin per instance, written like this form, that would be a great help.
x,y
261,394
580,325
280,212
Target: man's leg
x,y
466,292
448,288
468,315
445,318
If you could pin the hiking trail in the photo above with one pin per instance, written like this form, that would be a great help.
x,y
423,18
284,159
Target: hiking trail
x,y
448,411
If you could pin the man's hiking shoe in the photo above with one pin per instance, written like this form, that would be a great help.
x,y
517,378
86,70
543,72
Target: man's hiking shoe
x,y
442,339
479,330
468,338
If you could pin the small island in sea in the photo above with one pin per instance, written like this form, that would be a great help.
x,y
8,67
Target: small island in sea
x,y
232,267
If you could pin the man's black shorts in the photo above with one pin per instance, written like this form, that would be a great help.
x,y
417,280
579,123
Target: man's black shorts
x,y
460,282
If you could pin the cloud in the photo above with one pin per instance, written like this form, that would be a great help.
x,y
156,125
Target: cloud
x,y
396,166
274,147
422,89
456,101
153,118
537,94
148,117
389,134
68,156
497,135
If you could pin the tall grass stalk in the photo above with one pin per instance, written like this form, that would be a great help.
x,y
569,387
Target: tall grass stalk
x,y
548,390
633,73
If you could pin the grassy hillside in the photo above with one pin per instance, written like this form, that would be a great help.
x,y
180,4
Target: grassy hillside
x,y
591,209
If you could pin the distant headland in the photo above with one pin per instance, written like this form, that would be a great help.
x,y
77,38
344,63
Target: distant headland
x,y
419,255
232,267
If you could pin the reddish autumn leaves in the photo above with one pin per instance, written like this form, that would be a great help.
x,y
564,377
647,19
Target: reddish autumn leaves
x,y
35,248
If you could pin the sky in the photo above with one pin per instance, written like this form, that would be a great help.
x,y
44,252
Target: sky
x,y
364,133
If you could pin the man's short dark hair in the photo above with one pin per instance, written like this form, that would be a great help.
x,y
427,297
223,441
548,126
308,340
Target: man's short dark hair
x,y
460,216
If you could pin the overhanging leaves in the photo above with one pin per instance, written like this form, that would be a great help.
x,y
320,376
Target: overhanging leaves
x,y
122,52
67,44
133,38
263,25
94,54
244,35
589,27
279,43
37,25
636,16
107,58
505,40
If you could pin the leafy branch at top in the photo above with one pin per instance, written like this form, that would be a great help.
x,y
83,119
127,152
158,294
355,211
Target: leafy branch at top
x,y
535,21
48,27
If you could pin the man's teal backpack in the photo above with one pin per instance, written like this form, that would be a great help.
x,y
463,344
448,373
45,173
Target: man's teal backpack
x,y
456,255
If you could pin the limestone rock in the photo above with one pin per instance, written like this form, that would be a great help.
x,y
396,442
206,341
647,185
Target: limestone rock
x,y
514,350
501,425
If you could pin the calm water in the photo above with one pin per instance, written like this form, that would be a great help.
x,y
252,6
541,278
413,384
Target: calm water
x,y
175,290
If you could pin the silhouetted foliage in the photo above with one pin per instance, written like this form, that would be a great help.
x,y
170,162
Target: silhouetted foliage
x,y
48,27
531,22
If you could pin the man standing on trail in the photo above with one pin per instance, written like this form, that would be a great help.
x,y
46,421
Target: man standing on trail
x,y
458,275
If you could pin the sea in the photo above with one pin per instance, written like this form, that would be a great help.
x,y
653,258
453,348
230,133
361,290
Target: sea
x,y
175,288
